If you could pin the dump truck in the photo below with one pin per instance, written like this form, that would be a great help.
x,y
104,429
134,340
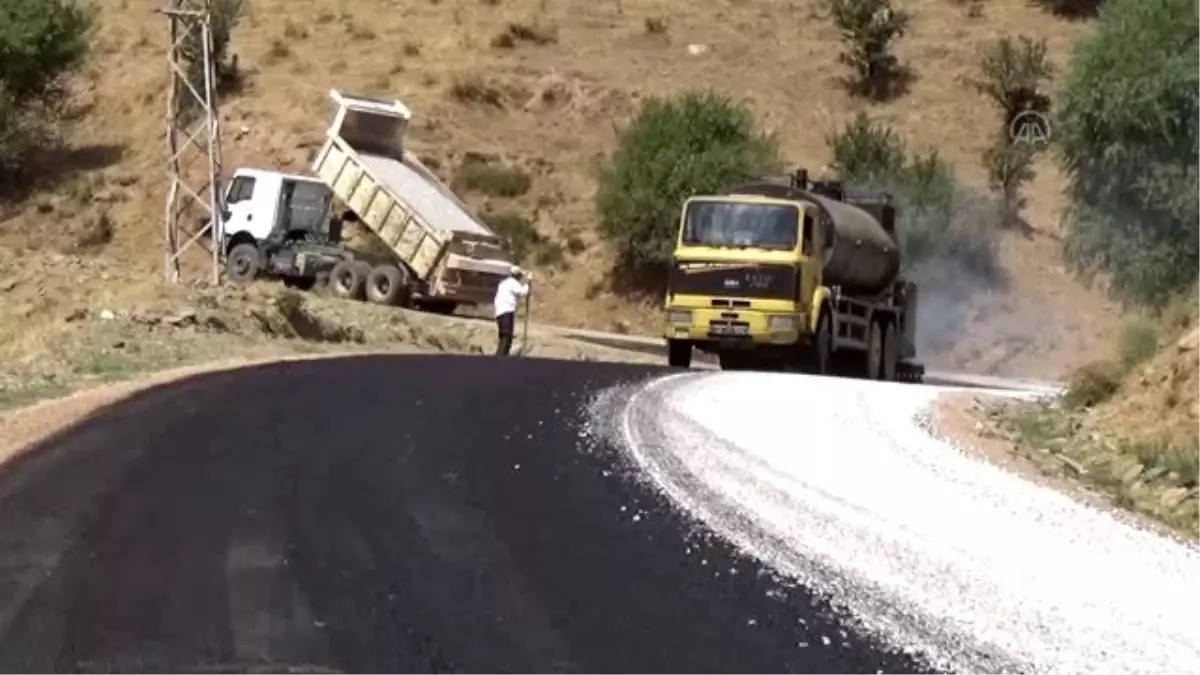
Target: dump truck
x,y
285,225
795,275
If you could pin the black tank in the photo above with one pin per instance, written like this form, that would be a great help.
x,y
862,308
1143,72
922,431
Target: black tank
x,y
865,257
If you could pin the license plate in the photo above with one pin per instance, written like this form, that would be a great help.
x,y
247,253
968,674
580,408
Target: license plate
x,y
730,330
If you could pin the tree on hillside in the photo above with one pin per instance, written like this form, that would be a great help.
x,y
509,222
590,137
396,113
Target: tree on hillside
x,y
943,228
674,148
869,28
225,16
1072,9
41,43
1127,127
1012,74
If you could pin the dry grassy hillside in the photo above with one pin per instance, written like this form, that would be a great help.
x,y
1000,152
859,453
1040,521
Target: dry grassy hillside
x,y
540,85
1126,431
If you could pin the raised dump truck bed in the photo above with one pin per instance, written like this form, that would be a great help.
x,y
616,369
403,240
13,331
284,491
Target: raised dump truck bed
x,y
444,253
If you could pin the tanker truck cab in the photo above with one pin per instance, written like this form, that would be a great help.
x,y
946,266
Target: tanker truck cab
x,y
788,276
741,277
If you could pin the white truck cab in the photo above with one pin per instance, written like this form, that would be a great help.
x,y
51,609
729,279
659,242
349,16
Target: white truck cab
x,y
263,204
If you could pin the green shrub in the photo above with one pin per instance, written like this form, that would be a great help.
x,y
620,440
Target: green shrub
x,y
1009,167
524,241
498,181
868,29
674,148
940,221
550,253
1138,343
1093,384
516,229
1073,9
224,18
41,43
575,243
1012,74
1126,124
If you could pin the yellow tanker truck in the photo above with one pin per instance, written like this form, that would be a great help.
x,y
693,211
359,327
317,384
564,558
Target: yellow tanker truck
x,y
792,276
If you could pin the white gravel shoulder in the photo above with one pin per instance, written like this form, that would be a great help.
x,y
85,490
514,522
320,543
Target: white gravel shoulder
x,y
837,483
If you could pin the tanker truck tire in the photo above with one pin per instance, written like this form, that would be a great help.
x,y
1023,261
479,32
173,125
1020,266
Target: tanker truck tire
x,y
887,371
822,346
735,361
679,353
874,354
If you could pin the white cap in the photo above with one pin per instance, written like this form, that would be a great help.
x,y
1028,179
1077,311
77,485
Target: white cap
x,y
515,270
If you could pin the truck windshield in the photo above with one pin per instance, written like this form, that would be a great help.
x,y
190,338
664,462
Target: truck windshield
x,y
741,225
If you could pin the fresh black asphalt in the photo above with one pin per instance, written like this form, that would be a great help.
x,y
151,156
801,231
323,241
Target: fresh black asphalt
x,y
379,514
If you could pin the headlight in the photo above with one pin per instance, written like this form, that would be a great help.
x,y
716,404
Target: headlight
x,y
677,316
782,323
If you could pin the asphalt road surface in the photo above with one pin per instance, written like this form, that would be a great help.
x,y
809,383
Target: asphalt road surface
x,y
403,513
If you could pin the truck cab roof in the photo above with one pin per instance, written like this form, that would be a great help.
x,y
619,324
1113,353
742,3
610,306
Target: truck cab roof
x,y
252,173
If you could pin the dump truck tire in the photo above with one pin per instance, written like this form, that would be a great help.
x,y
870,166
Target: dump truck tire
x,y
679,353
887,371
347,280
243,263
388,285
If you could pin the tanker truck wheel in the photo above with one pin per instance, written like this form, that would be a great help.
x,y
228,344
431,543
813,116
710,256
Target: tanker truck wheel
x,y
822,347
874,355
679,353
887,370
735,361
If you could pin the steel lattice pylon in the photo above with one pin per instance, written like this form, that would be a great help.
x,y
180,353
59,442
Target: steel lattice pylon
x,y
192,122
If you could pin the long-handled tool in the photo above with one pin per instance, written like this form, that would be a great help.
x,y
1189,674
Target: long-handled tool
x,y
525,325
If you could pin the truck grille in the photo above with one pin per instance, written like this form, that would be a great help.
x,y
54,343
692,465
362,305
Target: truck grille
x,y
726,279
726,329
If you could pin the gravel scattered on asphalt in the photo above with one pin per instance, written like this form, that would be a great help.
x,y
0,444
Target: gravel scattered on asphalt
x,y
837,484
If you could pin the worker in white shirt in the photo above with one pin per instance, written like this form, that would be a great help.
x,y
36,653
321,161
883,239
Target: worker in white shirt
x,y
508,294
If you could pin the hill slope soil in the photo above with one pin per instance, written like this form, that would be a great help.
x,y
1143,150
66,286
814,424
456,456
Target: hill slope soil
x,y
538,86
1137,450
69,322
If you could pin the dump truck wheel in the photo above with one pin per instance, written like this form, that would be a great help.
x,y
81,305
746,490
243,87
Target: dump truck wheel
x,y
874,355
887,370
347,280
822,348
679,353
387,285
243,263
